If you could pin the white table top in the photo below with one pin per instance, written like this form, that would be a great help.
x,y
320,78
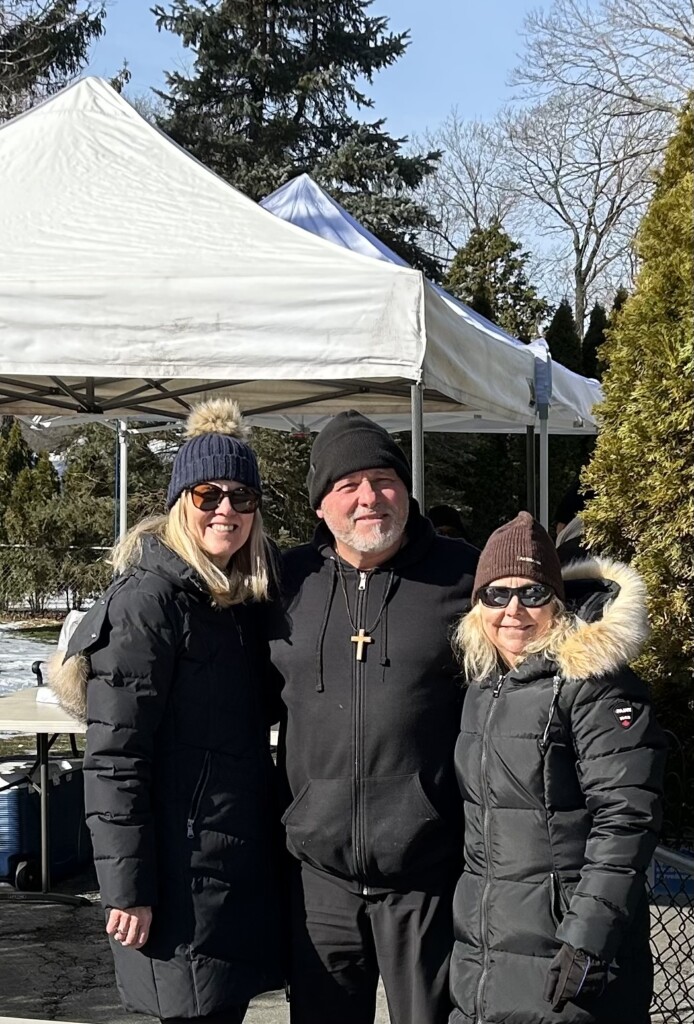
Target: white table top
x,y
23,1020
21,712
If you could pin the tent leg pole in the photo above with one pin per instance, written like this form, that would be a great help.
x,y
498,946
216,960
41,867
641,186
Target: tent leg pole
x,y
123,478
544,466
530,478
417,405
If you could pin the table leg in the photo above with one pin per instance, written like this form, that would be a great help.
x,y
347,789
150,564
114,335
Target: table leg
x,y
42,751
45,896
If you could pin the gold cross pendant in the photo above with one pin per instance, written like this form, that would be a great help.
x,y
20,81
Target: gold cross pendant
x,y
360,640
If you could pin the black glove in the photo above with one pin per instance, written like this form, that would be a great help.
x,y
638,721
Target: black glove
x,y
574,973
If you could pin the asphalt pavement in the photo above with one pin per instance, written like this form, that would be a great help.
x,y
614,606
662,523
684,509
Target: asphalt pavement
x,y
55,964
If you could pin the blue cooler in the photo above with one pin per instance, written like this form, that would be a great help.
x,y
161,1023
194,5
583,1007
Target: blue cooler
x,y
20,821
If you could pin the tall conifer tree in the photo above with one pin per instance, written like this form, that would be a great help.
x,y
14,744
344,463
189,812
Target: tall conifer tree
x,y
44,44
593,340
641,469
490,274
276,90
562,337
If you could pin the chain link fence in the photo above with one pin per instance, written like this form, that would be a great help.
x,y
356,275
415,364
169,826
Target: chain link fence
x,y
57,578
671,884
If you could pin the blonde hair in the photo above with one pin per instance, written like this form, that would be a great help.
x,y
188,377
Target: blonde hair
x,y
480,658
247,577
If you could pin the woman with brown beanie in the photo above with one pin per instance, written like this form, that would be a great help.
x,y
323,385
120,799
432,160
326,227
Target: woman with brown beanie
x,y
178,773
560,764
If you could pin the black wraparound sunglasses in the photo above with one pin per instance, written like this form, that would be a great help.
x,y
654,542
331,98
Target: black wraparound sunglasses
x,y
530,595
208,497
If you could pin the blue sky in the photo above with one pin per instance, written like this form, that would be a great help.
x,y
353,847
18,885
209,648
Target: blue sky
x,y
461,54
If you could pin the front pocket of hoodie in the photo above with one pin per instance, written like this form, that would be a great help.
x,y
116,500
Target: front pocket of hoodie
x,y
319,825
401,830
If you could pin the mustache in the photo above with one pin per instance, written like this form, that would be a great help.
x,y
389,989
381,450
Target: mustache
x,y
377,511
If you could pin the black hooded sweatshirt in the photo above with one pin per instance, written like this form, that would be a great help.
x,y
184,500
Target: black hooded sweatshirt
x,y
366,747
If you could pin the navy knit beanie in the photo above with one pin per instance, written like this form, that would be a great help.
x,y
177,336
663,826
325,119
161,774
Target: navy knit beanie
x,y
348,443
216,450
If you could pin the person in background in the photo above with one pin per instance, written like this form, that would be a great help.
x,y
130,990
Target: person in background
x,y
372,704
560,763
179,786
569,529
448,522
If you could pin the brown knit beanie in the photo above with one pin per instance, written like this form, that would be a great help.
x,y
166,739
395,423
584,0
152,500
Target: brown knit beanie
x,y
520,548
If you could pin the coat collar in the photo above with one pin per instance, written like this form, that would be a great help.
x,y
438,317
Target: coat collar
x,y
612,618
608,602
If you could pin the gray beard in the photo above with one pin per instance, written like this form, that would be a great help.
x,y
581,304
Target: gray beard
x,y
369,541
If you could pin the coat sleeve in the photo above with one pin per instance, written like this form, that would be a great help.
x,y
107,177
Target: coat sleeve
x,y
131,676
620,752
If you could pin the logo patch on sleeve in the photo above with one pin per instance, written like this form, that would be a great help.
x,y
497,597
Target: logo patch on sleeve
x,y
624,713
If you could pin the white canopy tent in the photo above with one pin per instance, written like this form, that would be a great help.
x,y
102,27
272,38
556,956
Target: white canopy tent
x,y
133,279
564,400
571,396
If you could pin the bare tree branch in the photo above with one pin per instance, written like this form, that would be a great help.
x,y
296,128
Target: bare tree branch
x,y
640,52
466,190
584,173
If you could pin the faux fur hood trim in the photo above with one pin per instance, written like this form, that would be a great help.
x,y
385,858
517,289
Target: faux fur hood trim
x,y
611,642
68,680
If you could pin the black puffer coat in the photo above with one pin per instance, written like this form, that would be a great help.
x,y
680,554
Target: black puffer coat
x,y
560,764
179,788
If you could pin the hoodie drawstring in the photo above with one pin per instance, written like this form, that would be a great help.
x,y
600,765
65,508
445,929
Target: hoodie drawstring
x,y
324,625
384,623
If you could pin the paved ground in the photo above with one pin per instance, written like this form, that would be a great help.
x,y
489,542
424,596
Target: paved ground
x,y
55,964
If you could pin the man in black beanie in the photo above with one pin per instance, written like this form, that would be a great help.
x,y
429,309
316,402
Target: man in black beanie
x,y
371,714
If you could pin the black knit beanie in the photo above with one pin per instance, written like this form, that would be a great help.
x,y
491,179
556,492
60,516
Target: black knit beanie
x,y
216,450
348,443
520,548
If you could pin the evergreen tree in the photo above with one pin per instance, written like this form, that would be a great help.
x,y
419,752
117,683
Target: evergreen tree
x,y
566,454
490,273
44,44
641,470
30,522
594,338
621,296
283,460
15,453
563,339
272,95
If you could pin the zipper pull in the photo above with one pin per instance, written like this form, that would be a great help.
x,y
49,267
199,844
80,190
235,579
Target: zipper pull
x,y
497,689
362,581
190,834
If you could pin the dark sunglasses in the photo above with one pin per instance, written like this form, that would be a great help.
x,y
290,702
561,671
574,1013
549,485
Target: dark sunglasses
x,y
530,595
208,497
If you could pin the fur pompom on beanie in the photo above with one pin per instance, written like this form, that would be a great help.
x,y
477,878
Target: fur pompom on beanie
x,y
216,449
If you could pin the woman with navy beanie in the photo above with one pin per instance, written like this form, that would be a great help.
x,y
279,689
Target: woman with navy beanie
x,y
179,790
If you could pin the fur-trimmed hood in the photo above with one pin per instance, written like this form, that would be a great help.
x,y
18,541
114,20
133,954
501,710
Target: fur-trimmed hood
x,y
605,638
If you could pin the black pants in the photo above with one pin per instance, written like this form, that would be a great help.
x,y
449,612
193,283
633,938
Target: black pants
x,y
342,941
234,1015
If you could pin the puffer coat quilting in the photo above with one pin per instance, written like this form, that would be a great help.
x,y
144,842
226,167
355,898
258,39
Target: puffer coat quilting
x,y
179,789
562,809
